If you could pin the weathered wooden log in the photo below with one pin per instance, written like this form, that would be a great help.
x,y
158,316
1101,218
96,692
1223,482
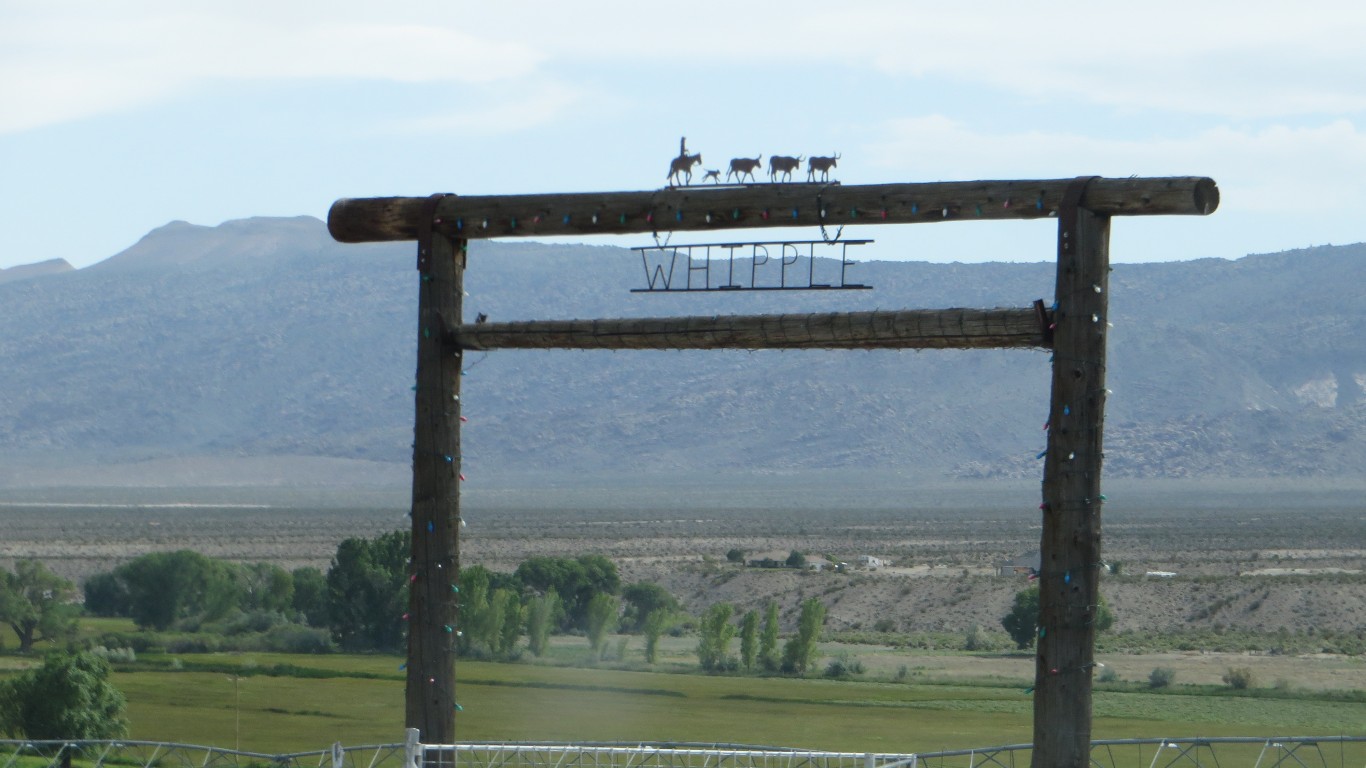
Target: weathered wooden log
x,y
907,329
429,699
760,205
1069,543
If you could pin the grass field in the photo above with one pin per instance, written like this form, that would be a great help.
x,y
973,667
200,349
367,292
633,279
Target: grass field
x,y
523,702
283,702
914,696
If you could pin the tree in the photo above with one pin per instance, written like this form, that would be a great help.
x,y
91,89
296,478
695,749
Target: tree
x,y
641,600
796,560
1022,623
768,640
655,624
310,595
267,587
367,592
513,620
800,650
1104,618
105,595
542,614
36,603
165,587
479,629
714,635
575,580
69,697
601,617
736,555
749,640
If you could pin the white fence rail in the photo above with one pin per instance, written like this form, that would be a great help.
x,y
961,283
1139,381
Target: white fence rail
x,y
1226,752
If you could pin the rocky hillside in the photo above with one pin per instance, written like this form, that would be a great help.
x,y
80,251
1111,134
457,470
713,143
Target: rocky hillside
x,y
216,348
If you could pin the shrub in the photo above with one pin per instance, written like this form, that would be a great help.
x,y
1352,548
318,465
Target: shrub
x,y
126,655
978,639
1161,677
294,638
252,622
1108,675
728,665
1239,678
844,666
142,643
194,644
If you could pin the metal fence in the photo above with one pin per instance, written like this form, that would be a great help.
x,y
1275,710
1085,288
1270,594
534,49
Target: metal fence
x,y
157,754
1227,752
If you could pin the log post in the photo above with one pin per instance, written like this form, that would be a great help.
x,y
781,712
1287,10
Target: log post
x,y
430,702
904,329
1070,543
1069,568
760,206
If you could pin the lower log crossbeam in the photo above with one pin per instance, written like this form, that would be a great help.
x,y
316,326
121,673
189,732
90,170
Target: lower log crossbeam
x,y
904,329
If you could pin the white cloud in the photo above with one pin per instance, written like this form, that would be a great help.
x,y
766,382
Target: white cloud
x,y
1219,57
65,61
1236,58
525,109
1278,169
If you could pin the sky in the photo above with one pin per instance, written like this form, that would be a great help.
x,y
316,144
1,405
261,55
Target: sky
x,y
117,118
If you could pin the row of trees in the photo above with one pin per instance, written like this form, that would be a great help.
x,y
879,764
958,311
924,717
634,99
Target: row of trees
x,y
758,646
359,601
162,589
362,598
550,595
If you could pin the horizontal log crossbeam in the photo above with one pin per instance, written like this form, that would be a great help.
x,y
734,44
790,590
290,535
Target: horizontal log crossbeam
x,y
905,329
358,220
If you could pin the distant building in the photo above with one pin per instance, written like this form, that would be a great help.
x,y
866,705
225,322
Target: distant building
x,y
869,562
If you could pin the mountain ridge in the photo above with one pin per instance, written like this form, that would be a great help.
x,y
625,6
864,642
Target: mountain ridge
x,y
36,269
263,338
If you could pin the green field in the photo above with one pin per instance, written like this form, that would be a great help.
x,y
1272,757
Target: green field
x,y
275,703
363,699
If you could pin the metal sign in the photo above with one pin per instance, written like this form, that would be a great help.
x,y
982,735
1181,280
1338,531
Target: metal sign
x,y
781,265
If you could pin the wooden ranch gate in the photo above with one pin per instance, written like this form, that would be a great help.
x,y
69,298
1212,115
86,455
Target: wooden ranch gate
x,y
1074,327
